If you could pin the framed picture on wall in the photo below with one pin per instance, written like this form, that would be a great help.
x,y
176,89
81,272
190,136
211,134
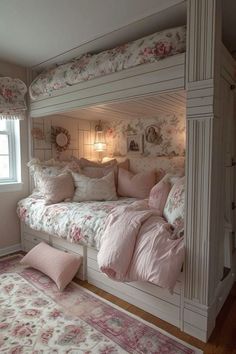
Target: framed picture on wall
x,y
135,144
153,135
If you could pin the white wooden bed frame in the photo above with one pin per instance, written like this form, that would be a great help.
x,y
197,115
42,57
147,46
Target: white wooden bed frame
x,y
147,296
206,72
163,76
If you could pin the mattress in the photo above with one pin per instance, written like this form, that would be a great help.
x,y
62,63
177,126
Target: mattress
x,y
80,223
148,49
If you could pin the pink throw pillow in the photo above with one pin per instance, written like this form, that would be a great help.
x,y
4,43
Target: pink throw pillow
x,y
135,185
158,196
124,164
88,163
55,189
61,267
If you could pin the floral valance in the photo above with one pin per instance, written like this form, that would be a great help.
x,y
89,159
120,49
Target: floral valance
x,y
12,98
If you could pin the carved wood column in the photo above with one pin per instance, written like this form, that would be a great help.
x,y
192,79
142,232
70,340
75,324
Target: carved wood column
x,y
204,160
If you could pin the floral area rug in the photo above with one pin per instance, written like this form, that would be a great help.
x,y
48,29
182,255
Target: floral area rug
x,y
36,318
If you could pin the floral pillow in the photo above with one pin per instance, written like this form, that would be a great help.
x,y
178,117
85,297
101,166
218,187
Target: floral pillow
x,y
174,207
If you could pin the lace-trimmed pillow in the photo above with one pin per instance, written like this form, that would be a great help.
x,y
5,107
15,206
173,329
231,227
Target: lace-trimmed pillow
x,y
48,168
96,189
174,207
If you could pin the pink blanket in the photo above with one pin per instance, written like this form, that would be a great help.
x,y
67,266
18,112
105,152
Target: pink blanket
x,y
137,244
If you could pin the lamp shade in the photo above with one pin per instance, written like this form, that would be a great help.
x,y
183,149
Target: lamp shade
x,y
99,142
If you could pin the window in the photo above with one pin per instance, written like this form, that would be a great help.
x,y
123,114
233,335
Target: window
x,y
9,152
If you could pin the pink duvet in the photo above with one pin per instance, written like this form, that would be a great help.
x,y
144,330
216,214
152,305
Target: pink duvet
x,y
137,245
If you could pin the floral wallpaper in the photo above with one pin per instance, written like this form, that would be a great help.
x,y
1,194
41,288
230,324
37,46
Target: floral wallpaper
x,y
161,136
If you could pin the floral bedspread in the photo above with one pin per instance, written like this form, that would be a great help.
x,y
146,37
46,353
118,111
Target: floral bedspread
x,y
88,66
75,222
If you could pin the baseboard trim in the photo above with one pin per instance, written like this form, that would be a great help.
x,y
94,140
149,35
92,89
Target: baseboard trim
x,y
11,249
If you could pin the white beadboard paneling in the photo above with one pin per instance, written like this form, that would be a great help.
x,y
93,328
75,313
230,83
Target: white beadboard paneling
x,y
149,106
81,137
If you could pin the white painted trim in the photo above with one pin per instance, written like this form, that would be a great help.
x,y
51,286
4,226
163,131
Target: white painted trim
x,y
11,187
11,249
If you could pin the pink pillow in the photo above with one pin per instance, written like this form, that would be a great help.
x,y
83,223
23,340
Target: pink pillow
x,y
158,196
136,186
55,189
88,163
61,267
124,164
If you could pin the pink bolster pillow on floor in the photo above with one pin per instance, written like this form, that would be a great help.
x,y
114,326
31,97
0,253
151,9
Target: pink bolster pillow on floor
x,y
61,267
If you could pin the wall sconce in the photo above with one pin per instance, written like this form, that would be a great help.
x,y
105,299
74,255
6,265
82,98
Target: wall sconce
x,y
99,142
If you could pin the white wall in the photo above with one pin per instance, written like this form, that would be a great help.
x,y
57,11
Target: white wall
x,y
9,222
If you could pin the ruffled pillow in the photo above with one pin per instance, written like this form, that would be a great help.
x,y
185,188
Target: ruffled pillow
x,y
47,168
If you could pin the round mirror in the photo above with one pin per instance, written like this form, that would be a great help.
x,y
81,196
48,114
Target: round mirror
x,y
61,139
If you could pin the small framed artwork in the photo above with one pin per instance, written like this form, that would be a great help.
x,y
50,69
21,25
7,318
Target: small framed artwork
x,y
135,144
153,135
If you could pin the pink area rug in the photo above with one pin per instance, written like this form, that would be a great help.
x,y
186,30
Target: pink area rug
x,y
36,318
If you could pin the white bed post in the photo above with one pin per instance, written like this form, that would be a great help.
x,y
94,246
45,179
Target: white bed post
x,y
204,167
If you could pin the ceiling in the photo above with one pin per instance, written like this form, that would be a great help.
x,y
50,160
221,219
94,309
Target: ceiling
x,y
34,31
146,107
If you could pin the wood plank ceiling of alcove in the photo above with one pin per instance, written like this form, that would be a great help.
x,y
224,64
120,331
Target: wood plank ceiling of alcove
x,y
149,107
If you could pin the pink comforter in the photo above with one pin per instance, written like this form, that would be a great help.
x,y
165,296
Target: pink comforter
x,y
137,244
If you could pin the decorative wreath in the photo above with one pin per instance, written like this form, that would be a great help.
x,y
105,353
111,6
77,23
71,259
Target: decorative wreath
x,y
60,137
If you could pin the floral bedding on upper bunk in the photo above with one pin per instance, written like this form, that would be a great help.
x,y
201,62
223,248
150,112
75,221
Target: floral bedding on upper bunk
x,y
88,66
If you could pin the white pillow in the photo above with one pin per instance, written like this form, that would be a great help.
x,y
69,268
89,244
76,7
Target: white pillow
x,y
94,188
174,207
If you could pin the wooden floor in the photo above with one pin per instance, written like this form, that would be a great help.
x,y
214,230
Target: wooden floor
x,y
222,340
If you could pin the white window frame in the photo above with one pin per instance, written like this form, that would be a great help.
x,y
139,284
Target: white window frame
x,y
13,133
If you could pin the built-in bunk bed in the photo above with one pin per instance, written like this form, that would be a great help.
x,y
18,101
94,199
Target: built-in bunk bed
x,y
151,66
